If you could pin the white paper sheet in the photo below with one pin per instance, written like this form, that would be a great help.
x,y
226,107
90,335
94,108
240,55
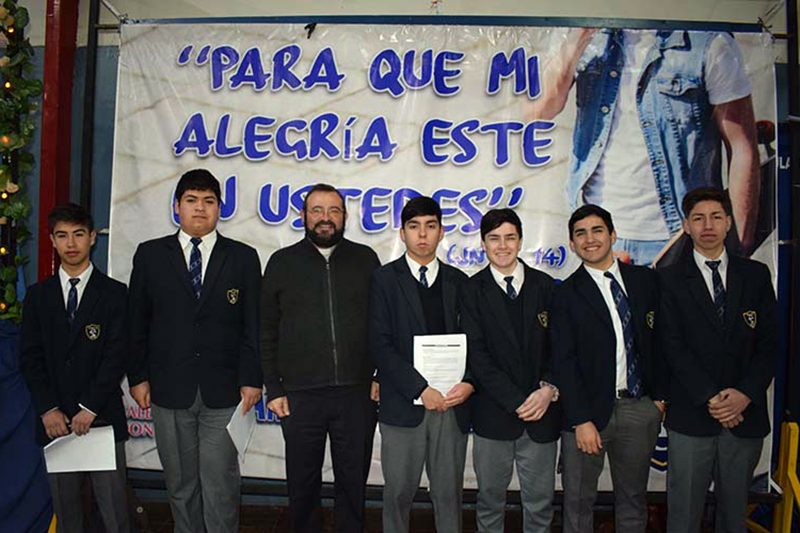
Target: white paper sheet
x,y
441,359
240,428
88,453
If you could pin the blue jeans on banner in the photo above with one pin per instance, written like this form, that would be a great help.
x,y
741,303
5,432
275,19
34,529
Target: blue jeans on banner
x,y
682,139
641,252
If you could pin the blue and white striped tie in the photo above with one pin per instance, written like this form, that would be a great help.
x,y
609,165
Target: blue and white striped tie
x,y
631,354
719,288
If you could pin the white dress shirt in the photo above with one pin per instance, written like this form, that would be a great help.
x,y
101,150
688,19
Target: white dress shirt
x,y
430,275
205,247
519,278
706,271
604,284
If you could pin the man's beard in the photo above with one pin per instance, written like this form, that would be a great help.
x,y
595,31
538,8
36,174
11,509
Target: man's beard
x,y
325,241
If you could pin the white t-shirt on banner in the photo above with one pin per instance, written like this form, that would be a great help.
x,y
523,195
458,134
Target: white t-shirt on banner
x,y
623,182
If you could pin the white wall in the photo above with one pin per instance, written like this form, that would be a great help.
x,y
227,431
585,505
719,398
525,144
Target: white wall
x,y
741,11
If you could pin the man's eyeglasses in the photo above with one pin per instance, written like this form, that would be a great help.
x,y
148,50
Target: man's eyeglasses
x,y
333,211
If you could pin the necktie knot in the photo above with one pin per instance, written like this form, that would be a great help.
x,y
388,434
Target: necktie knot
x,y
74,281
610,276
713,265
196,241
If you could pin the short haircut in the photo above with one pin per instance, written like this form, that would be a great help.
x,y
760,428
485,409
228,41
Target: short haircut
x,y
198,179
420,206
588,210
70,213
323,187
494,218
702,194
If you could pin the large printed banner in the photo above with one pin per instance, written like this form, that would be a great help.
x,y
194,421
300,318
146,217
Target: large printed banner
x,y
536,119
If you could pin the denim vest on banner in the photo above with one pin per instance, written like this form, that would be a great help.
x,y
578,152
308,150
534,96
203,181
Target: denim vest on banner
x,y
682,139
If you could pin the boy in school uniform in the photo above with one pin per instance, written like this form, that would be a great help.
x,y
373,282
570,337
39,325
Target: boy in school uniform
x,y
74,348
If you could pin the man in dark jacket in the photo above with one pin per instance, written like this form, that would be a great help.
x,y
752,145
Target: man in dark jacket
x,y
317,369
74,348
505,309
718,331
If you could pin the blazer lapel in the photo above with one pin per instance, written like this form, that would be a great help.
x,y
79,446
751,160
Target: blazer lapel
x,y
634,296
699,290
215,263
733,292
638,309
587,288
55,306
178,261
90,297
408,286
530,297
55,302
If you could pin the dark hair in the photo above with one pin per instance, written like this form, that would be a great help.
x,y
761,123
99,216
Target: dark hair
x,y
588,210
71,213
494,218
198,179
323,187
702,194
420,206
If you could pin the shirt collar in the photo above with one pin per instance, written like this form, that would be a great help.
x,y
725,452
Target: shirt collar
x,y
499,277
599,275
208,240
433,268
700,260
64,278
